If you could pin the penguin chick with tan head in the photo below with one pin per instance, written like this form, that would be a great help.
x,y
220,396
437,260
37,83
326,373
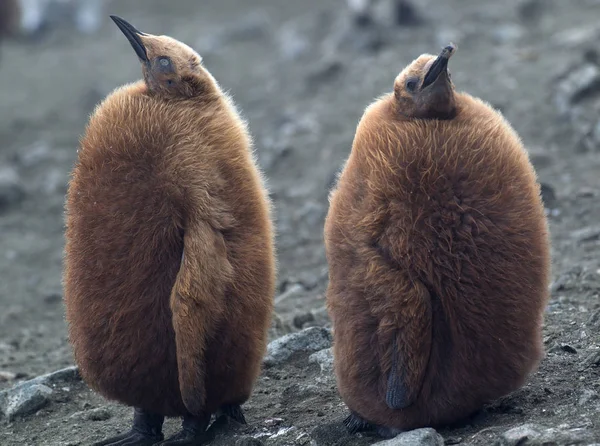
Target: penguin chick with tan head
x,y
170,266
439,258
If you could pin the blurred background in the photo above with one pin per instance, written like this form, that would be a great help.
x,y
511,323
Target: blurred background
x,y
302,73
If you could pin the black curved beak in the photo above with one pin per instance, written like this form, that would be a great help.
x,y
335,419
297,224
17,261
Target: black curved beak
x,y
439,66
133,35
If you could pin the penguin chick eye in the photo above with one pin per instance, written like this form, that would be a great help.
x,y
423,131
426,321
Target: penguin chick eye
x,y
411,84
170,82
164,61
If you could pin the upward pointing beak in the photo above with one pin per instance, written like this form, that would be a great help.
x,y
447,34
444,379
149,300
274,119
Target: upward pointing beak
x,y
133,35
439,66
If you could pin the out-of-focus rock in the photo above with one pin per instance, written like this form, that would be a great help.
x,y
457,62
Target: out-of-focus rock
x,y
98,414
7,376
587,397
309,340
11,189
531,10
507,33
248,441
407,14
535,435
24,399
324,358
548,196
579,83
417,437
588,234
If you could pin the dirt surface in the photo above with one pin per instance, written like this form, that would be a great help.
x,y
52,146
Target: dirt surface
x,y
302,77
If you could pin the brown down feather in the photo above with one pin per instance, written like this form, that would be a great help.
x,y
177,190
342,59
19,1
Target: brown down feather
x,y
436,237
169,271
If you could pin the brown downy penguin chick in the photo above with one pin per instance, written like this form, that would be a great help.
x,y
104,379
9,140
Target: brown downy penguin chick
x,y
170,265
439,259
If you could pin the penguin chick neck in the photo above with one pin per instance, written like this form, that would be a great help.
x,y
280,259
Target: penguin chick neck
x,y
171,68
424,89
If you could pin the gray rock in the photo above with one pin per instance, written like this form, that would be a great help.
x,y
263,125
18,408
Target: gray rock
x,y
568,280
24,400
29,396
507,33
289,292
98,414
248,441
324,358
7,376
36,154
592,359
68,374
531,10
588,396
589,234
11,189
301,319
548,196
576,85
309,340
540,157
292,43
535,435
417,437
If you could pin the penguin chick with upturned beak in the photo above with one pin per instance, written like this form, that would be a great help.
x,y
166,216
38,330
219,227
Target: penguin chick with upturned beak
x,y
169,265
439,257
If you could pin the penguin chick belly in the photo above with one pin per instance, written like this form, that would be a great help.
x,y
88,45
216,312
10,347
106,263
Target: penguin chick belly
x,y
125,247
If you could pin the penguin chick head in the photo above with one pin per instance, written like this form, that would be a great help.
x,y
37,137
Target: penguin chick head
x,y
424,90
171,68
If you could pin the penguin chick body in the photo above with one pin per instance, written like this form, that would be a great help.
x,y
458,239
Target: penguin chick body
x,y
439,257
169,266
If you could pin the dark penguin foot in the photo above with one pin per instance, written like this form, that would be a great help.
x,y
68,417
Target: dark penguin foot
x,y
354,423
233,411
193,432
146,431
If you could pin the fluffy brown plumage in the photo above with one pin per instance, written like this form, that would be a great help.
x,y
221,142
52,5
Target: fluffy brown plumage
x,y
439,258
169,269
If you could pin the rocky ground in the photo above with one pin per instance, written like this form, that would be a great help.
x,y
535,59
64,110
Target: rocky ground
x,y
302,77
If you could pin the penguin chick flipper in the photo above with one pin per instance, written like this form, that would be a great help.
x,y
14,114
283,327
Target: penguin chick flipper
x,y
233,411
397,395
197,304
407,335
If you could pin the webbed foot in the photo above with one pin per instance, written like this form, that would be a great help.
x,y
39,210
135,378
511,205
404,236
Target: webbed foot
x,y
193,432
146,431
354,423
233,411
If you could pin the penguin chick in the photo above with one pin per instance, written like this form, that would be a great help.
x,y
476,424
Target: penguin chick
x,y
169,270
439,257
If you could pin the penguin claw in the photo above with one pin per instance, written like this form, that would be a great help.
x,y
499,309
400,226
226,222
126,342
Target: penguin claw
x,y
184,437
131,438
235,412
354,423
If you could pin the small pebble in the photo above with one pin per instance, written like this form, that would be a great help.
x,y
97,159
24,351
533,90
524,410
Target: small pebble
x,y
417,437
7,376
